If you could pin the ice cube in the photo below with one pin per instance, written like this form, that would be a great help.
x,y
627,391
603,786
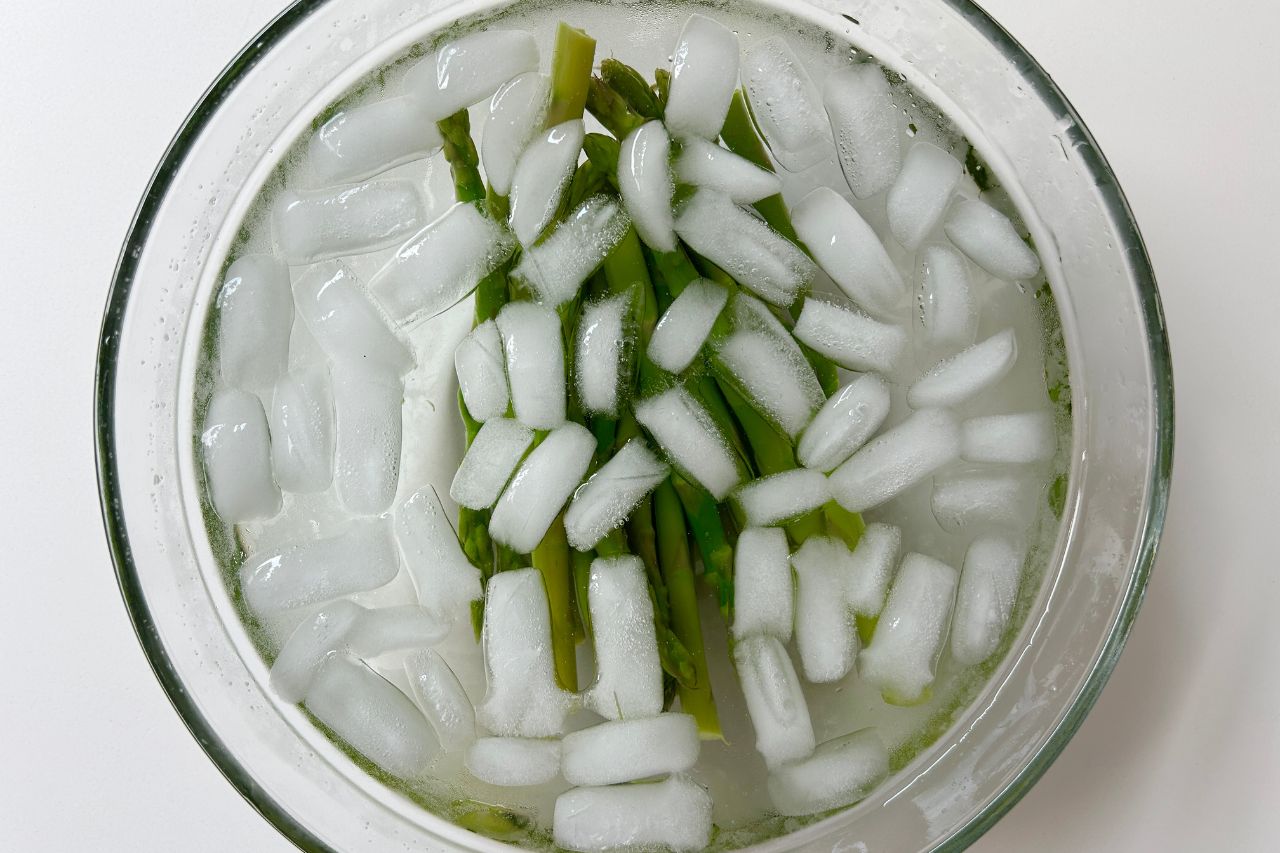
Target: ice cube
x,y
920,194
840,772
608,498
541,178
705,164
644,181
849,251
1017,438
826,635
850,338
441,264
704,75
782,497
896,460
758,258
968,497
522,699
988,587
255,314
445,580
629,681
441,698
541,486
786,104
674,814
910,632
964,376
237,457
871,567
310,644
691,439
780,382
946,319
489,463
368,436
346,220
465,71
534,353
601,353
302,431
514,762
344,321
361,557
630,750
556,268
850,417
359,142
686,324
392,629
482,372
989,239
516,113
775,701
762,584
864,122
374,717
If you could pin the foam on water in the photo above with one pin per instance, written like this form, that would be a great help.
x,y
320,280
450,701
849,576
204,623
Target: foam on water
x,y
644,181
705,164
826,635
630,750
762,585
360,142
845,422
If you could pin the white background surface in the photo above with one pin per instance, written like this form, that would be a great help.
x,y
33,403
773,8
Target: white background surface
x,y
1182,751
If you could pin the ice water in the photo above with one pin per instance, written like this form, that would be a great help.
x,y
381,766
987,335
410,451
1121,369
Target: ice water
x,y
733,772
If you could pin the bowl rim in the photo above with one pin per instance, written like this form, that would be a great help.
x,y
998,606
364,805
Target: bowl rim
x,y
1115,204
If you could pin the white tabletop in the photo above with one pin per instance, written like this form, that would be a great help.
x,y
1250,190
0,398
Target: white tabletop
x,y
1182,751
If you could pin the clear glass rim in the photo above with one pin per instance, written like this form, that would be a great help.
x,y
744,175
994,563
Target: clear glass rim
x,y
1157,491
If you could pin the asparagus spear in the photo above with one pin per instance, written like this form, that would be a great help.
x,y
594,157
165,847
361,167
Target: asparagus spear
x,y
633,88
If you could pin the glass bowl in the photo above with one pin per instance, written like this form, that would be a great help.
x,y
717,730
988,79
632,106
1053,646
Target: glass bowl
x,y
953,53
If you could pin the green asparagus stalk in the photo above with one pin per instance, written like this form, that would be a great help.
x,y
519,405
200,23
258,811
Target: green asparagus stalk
x,y
611,109
633,88
677,570
739,136
575,53
662,86
551,558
